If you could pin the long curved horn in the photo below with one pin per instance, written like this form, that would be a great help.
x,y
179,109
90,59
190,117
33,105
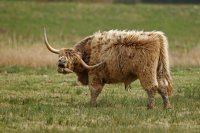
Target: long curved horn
x,y
90,67
48,45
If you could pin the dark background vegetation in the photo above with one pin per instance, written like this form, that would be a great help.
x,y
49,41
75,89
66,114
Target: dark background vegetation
x,y
123,1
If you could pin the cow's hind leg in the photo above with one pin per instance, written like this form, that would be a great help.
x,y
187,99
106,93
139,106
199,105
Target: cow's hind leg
x,y
150,84
151,97
127,87
162,90
165,98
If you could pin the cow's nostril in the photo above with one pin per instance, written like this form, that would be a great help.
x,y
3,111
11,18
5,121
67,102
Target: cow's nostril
x,y
61,65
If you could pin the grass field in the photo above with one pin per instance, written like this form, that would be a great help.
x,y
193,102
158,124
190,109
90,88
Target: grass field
x,y
21,28
35,98
39,100
68,22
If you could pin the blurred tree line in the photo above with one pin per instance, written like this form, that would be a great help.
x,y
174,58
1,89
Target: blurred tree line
x,y
124,1
156,1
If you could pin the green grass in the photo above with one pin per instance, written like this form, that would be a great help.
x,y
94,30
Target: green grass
x,y
23,22
40,100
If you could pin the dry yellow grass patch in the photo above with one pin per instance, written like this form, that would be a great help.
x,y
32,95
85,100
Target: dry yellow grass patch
x,y
33,56
187,58
37,55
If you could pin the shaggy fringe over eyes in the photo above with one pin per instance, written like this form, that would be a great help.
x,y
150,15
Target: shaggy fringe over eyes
x,y
72,55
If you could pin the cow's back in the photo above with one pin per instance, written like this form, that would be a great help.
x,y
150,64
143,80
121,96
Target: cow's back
x,y
125,53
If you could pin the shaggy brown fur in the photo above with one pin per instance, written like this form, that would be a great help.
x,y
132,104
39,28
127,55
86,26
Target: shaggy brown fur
x,y
126,56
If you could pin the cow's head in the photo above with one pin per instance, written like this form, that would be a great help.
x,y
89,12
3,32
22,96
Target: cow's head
x,y
68,58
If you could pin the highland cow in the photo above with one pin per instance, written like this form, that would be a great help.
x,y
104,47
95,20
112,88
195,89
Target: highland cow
x,y
119,56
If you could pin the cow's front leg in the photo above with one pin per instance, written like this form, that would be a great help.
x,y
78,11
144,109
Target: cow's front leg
x,y
95,90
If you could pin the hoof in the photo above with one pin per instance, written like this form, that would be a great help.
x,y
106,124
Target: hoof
x,y
168,106
150,107
93,104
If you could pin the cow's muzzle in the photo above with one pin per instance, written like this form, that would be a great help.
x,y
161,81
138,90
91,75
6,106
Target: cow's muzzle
x,y
61,65
64,70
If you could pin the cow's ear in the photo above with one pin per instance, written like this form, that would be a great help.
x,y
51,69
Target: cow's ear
x,y
84,44
84,48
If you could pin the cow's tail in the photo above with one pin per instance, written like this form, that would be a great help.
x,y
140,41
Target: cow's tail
x,y
163,70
